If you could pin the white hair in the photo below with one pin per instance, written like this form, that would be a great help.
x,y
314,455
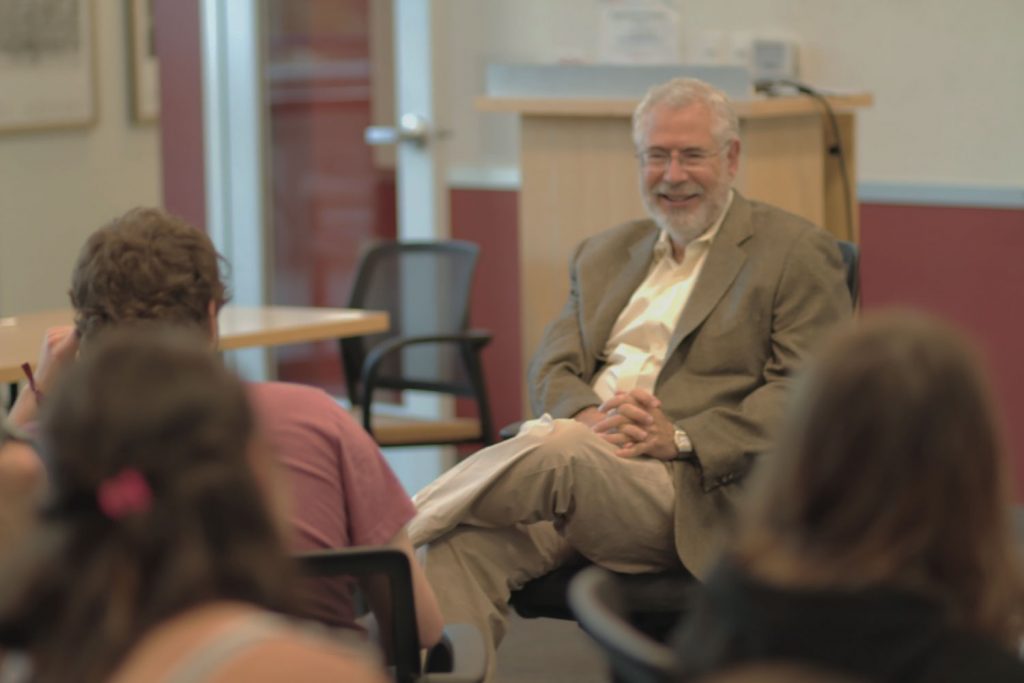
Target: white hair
x,y
682,92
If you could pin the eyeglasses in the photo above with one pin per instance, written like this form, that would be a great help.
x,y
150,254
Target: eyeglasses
x,y
659,158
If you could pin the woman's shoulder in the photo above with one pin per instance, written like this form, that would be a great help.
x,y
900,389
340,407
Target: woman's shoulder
x,y
293,655
231,641
21,470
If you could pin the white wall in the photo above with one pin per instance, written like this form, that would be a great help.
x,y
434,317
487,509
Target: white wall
x,y
947,75
56,187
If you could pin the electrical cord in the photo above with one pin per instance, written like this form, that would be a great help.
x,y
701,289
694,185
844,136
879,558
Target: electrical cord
x,y
835,149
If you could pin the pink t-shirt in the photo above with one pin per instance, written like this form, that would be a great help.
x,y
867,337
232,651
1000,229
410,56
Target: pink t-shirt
x,y
342,491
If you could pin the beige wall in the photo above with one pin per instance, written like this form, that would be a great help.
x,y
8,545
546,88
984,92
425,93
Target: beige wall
x,y
946,74
57,186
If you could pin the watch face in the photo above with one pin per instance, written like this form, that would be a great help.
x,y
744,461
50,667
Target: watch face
x,y
682,441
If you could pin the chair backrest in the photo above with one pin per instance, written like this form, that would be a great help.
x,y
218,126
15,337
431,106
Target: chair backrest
x,y
601,609
851,258
425,288
394,565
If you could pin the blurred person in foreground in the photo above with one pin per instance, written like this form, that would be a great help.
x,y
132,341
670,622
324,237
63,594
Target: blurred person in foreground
x,y
878,541
157,555
22,482
150,267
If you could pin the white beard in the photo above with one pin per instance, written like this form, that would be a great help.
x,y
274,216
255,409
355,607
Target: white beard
x,y
685,225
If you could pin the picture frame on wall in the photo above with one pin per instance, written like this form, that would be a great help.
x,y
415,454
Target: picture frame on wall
x,y
144,70
47,65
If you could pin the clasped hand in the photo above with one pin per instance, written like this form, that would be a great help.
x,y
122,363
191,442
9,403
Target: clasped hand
x,y
634,423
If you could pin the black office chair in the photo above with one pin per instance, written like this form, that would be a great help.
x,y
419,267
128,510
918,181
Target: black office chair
x,y
602,606
657,599
425,288
851,258
460,657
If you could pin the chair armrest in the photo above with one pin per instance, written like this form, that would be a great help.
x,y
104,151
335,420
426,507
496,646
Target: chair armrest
x,y
475,339
460,655
471,342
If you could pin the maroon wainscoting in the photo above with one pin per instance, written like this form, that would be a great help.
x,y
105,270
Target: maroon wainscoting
x,y
491,218
967,266
181,108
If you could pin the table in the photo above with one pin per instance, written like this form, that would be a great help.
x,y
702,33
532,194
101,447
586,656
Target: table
x,y
240,327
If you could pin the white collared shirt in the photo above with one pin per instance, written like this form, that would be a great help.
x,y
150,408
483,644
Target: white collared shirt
x,y
638,344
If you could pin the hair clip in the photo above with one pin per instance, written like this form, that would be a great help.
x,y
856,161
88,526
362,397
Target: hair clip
x,y
126,493
27,369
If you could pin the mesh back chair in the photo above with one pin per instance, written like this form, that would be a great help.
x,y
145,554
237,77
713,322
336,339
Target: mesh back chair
x,y
602,607
460,657
425,289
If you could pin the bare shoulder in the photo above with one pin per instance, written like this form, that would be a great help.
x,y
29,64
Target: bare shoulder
x,y
260,648
299,657
21,471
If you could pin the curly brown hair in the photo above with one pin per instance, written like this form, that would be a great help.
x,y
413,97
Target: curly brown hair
x,y
146,266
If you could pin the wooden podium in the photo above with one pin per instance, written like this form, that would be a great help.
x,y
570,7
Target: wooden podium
x,y
579,176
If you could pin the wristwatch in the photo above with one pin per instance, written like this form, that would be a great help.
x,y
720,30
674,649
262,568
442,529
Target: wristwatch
x,y
682,441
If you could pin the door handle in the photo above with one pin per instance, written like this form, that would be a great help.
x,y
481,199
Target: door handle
x,y
411,128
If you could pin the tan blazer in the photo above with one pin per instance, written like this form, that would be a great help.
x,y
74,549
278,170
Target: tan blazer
x,y
771,286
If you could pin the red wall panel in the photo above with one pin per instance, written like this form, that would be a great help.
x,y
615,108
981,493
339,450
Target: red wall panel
x,y
964,265
491,218
181,108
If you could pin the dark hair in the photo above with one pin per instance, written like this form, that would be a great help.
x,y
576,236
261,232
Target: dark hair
x,y
146,266
157,402
891,471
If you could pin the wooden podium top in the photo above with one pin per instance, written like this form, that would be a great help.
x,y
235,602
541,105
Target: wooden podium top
x,y
768,107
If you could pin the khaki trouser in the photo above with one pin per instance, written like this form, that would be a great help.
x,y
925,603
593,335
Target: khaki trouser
x,y
520,508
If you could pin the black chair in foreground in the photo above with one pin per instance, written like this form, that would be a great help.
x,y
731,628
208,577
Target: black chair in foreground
x,y
425,288
601,604
460,657
657,599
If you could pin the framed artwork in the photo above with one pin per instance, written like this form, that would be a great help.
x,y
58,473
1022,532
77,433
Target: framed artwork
x,y
145,84
47,64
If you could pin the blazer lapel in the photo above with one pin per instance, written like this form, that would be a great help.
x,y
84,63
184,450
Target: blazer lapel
x,y
723,263
622,286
